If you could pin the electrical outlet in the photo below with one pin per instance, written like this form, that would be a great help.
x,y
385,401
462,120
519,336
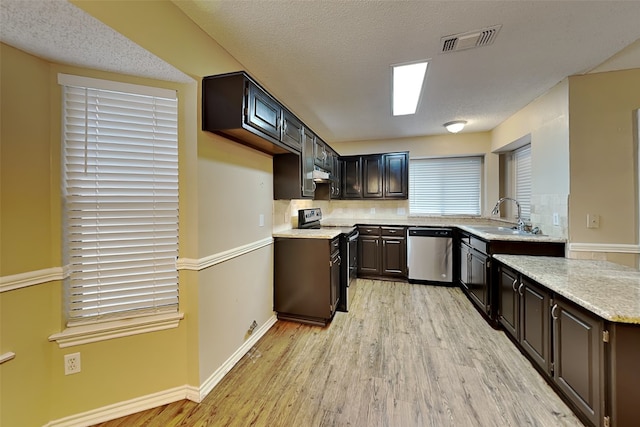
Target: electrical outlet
x,y
261,220
71,363
593,221
556,218
252,327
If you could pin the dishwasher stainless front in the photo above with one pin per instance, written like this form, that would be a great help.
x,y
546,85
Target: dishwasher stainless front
x,y
429,255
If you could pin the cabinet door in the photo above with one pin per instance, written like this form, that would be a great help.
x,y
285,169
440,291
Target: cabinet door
x,y
351,178
334,290
396,176
394,256
508,301
534,323
372,172
291,131
369,255
319,153
578,354
263,112
465,254
308,142
336,179
478,286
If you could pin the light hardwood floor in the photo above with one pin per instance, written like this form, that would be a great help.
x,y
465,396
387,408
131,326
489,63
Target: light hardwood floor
x,y
405,355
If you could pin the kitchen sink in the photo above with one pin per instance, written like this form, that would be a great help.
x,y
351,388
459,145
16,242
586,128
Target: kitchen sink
x,y
492,229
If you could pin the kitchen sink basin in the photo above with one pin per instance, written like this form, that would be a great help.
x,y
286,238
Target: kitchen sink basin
x,y
492,229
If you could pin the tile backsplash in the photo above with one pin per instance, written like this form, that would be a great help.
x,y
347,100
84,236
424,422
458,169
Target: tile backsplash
x,y
285,212
543,208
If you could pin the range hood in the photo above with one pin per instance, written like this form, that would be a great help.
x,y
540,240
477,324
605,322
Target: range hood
x,y
320,175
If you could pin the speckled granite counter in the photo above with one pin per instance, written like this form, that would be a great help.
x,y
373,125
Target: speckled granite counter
x,y
608,290
317,233
466,224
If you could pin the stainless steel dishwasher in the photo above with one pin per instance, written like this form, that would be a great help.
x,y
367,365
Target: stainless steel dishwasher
x,y
429,255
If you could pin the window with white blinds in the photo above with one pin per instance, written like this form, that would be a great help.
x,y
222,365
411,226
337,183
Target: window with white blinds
x,y
522,179
445,186
120,187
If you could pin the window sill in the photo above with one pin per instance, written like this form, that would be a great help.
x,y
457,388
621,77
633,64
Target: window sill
x,y
103,331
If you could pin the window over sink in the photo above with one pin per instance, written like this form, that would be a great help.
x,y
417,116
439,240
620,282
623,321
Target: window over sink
x,y
445,185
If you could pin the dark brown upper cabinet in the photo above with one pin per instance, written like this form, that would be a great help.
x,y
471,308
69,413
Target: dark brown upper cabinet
x,y
291,130
372,174
235,106
376,176
396,176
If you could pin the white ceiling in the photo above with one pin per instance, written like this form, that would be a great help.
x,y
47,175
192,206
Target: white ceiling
x,y
329,61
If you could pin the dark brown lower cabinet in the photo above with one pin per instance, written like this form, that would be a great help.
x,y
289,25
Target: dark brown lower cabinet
x,y
592,363
535,335
306,279
523,311
474,274
509,301
578,354
382,252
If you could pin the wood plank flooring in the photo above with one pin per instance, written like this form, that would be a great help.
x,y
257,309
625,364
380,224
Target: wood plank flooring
x,y
405,355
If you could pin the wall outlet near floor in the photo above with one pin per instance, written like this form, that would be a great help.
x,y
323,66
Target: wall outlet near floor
x,y
556,218
593,221
373,211
71,363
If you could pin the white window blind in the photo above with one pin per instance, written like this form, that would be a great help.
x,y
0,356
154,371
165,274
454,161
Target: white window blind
x,y
120,155
522,172
445,186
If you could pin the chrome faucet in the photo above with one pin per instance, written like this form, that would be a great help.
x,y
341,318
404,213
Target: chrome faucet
x,y
496,211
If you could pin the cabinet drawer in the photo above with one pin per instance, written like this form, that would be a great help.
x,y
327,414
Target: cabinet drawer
x,y
479,245
369,231
393,231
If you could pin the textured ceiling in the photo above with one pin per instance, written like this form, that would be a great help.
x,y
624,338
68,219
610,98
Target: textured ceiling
x,y
58,31
329,61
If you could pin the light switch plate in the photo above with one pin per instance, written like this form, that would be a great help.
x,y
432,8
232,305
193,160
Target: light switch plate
x,y
556,218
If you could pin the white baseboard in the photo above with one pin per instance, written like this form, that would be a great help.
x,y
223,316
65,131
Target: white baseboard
x,y
121,409
195,394
217,376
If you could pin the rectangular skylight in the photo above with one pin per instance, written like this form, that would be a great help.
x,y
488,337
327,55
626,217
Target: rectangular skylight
x,y
407,87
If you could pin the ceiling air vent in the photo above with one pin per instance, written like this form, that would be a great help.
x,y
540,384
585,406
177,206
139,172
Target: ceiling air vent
x,y
469,40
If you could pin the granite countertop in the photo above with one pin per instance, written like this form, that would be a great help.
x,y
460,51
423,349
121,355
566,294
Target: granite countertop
x,y
310,233
609,290
464,223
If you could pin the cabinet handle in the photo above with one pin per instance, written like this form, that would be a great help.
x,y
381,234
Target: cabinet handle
x,y
339,260
392,231
520,288
553,312
515,281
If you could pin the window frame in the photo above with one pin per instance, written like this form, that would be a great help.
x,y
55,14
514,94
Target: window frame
x,y
131,322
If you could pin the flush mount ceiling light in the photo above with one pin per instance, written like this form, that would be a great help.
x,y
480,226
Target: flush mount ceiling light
x,y
455,126
407,87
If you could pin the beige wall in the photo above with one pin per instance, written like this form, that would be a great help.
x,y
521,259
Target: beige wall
x,y
224,188
604,158
545,122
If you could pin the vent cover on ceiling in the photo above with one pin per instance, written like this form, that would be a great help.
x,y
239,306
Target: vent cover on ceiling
x,y
469,40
